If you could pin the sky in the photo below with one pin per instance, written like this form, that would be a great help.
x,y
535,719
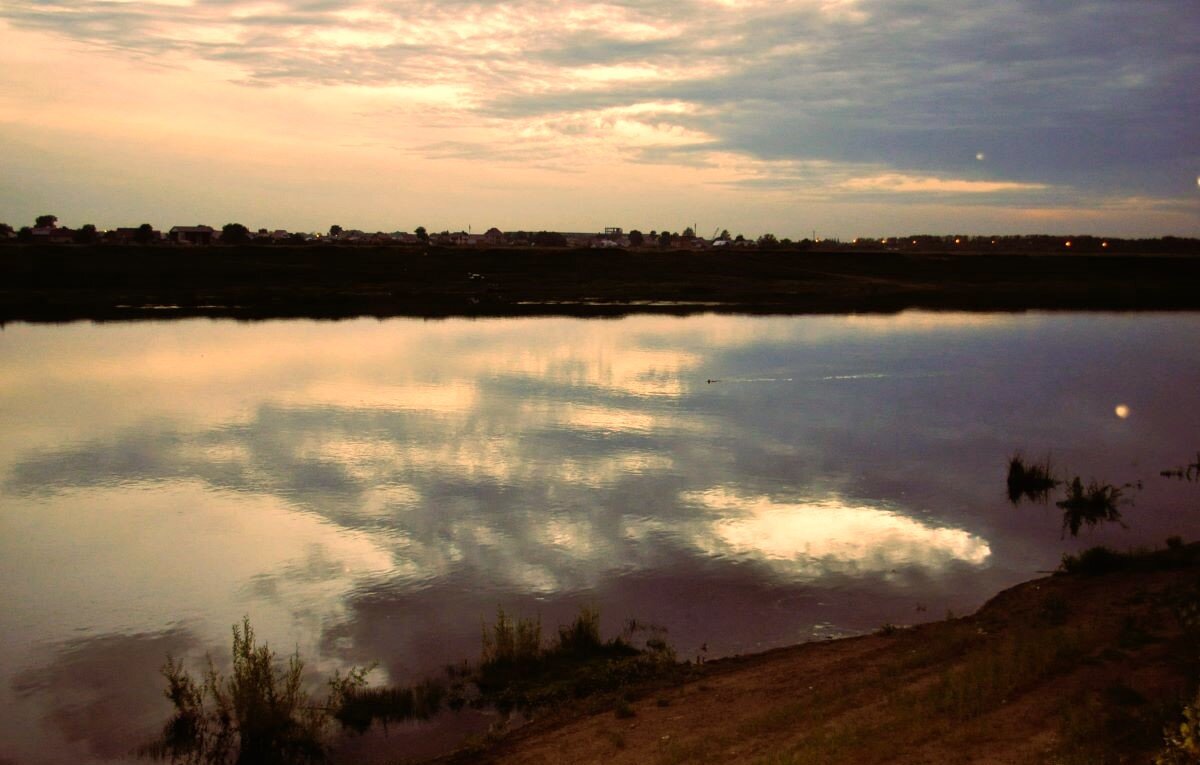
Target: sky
x,y
842,118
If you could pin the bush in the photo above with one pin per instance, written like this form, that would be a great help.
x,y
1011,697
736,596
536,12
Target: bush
x,y
517,672
1094,560
509,642
1181,744
260,714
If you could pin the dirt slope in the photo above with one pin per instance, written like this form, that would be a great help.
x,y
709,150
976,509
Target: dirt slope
x,y
1069,668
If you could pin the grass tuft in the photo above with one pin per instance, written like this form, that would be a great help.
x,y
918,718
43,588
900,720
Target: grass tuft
x,y
1033,482
518,673
1091,505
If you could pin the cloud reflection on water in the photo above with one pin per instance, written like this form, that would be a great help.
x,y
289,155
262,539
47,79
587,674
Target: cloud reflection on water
x,y
818,537
375,488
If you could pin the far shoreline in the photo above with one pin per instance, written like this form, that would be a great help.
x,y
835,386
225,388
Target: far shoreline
x,y
61,283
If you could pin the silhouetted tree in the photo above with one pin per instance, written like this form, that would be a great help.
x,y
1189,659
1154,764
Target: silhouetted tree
x,y
636,238
768,241
6,230
145,234
235,233
334,230
422,234
86,234
25,234
45,221
724,234
688,233
664,239
549,239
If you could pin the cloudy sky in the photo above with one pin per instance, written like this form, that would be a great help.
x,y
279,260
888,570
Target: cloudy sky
x,y
847,117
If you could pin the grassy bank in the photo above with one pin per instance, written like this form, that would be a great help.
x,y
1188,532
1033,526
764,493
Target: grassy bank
x,y
1087,666
64,282
1098,663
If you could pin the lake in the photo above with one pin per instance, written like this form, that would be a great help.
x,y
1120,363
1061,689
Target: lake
x,y
372,491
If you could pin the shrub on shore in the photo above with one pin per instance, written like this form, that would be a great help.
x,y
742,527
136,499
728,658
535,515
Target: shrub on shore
x,y
259,714
517,672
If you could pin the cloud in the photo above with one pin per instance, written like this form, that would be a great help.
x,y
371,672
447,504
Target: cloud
x,y
900,183
1097,95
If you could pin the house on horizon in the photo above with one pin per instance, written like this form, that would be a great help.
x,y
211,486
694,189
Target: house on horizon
x,y
53,234
196,235
132,235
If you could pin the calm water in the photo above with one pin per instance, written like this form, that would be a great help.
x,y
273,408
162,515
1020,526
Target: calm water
x,y
370,490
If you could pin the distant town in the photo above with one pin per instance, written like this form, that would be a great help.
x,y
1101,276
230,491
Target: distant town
x,y
45,229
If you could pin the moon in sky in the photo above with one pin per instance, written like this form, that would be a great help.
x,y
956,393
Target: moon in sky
x,y
981,156
1121,411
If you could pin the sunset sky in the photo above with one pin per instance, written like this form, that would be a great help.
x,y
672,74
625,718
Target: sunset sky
x,y
844,117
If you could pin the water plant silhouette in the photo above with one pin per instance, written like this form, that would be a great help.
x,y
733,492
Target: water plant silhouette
x,y
1092,504
260,714
517,672
1033,482
1189,472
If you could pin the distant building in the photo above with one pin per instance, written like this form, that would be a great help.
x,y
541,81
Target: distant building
x,y
197,235
53,234
132,235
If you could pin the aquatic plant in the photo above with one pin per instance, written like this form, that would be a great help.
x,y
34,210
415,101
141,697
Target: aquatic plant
x,y
517,672
1191,472
1033,482
1091,505
259,714
360,707
509,642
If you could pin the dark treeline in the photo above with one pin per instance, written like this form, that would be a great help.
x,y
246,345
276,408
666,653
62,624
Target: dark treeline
x,y
47,231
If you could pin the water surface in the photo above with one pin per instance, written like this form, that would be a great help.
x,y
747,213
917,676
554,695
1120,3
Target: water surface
x,y
370,490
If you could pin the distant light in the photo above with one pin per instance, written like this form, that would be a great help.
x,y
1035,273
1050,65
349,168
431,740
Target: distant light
x,y
1068,244
957,241
914,241
981,157
1104,244
1121,411
993,241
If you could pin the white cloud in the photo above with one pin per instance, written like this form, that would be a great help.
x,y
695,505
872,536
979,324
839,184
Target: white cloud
x,y
902,183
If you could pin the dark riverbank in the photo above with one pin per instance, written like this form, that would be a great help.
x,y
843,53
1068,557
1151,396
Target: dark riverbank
x,y
1082,667
69,282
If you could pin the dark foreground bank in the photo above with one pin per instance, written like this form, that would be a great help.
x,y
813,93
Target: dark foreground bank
x,y
1090,666
68,282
